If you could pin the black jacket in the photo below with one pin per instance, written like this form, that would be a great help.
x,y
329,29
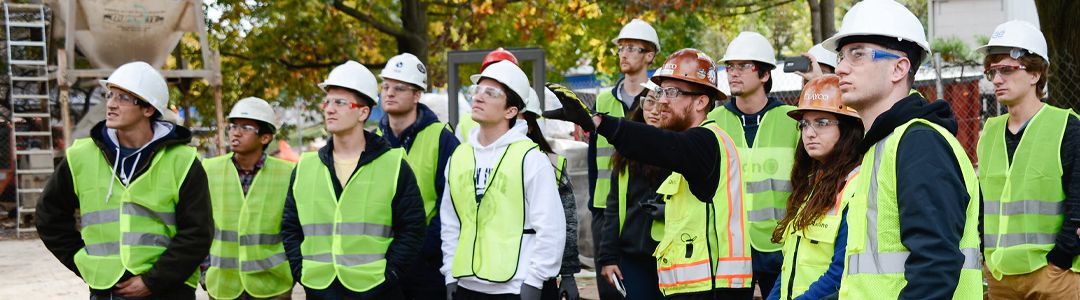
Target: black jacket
x,y
636,237
930,194
425,275
55,218
408,221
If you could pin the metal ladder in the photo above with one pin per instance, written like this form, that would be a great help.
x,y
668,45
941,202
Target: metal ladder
x,y
31,114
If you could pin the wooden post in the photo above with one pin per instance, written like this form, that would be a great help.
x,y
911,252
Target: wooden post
x,y
65,110
215,83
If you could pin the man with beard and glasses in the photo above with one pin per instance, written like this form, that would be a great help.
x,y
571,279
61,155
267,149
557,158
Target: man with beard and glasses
x,y
705,251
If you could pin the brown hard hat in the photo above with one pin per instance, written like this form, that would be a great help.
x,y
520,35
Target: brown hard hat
x,y
822,94
690,65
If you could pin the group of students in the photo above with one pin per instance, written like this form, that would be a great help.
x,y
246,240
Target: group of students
x,y
859,192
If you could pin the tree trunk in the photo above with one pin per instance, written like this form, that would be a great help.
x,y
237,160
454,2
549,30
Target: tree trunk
x,y
415,38
1058,21
828,19
815,21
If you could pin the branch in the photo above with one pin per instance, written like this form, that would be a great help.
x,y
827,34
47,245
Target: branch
x,y
771,5
396,32
457,5
291,65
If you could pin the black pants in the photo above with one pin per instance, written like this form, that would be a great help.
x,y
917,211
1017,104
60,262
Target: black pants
x,y
720,294
766,268
466,294
605,289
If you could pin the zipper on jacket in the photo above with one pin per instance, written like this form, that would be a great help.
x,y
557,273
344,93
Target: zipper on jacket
x,y
794,262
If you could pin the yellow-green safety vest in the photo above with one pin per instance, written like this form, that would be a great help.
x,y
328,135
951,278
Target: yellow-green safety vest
x,y
809,252
423,158
346,237
875,257
247,253
605,103
489,243
1022,202
693,254
657,229
766,168
465,124
131,228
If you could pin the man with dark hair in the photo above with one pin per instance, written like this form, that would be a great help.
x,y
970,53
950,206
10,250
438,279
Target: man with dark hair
x,y
766,137
353,221
1029,175
142,195
412,126
912,216
247,188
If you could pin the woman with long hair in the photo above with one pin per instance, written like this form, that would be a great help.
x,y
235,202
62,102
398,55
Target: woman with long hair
x,y
814,229
633,221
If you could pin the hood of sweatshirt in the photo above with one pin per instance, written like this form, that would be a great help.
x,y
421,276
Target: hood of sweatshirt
x,y
516,133
914,106
130,166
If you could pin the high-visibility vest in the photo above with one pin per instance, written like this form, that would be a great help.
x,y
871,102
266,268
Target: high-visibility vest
x,y
657,229
492,227
1022,203
875,258
423,158
766,168
131,228
693,253
809,252
605,103
247,253
346,237
466,124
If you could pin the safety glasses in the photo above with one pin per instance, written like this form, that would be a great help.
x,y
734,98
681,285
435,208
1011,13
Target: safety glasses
x,y
1006,70
857,56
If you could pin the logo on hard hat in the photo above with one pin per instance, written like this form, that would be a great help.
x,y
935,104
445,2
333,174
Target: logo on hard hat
x,y
669,68
399,64
421,68
701,73
705,56
998,34
712,75
822,97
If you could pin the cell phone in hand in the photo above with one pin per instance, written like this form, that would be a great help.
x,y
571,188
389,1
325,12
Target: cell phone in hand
x,y
796,63
618,284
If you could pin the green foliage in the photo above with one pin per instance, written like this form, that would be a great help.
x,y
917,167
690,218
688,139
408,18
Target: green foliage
x,y
953,50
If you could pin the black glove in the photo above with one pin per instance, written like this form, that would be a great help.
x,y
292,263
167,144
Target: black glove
x,y
573,109
654,208
529,292
568,288
450,289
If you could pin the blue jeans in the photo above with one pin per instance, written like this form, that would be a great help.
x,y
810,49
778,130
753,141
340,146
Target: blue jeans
x,y
639,278
766,269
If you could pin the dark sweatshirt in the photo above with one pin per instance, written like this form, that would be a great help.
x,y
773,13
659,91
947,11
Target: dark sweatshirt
x,y
425,275
930,194
55,218
408,222
636,237
751,122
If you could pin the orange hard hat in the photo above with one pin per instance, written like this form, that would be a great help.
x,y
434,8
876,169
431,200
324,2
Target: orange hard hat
x,y
822,94
690,65
498,55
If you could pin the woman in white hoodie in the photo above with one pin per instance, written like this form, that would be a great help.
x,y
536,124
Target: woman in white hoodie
x,y
503,226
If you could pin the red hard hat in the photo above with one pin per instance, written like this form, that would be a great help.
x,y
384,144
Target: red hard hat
x,y
498,55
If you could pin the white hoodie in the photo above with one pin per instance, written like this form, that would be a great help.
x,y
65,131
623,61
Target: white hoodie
x,y
541,253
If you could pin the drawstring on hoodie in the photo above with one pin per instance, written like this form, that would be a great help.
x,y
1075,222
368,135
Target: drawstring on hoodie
x,y
743,117
126,177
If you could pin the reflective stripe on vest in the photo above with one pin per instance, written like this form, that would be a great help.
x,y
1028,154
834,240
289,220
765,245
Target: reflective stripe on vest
x,y
656,231
812,246
766,168
1023,202
346,237
247,253
132,228
489,243
693,254
605,103
876,258
423,158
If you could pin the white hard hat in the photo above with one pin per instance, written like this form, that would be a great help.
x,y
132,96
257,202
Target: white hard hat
x,y
650,85
143,81
532,103
509,74
1016,34
638,30
823,56
407,68
354,76
255,109
884,18
750,46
